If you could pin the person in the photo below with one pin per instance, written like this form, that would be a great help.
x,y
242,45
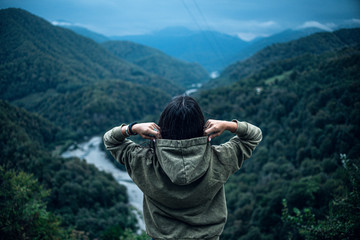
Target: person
x,y
183,175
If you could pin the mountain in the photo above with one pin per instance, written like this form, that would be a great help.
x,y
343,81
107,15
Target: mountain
x,y
51,70
317,43
354,23
281,37
53,57
212,50
156,62
97,37
302,181
209,48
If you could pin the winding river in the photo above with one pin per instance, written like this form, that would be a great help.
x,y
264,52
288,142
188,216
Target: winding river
x,y
91,152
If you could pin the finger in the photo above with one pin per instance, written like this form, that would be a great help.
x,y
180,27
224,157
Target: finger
x,y
157,127
152,134
155,133
144,136
207,132
210,131
214,135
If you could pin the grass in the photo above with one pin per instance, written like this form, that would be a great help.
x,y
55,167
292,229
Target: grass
x,y
280,77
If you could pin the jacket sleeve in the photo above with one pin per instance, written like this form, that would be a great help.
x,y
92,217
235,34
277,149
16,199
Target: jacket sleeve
x,y
124,150
116,143
233,153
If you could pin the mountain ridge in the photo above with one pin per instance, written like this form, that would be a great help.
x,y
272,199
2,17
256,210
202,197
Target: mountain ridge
x,y
154,61
222,49
43,66
316,43
62,50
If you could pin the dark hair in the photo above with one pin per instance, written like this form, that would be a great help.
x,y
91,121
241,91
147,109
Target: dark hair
x,y
182,118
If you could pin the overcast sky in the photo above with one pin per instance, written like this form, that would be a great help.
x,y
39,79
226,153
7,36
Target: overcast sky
x,y
244,18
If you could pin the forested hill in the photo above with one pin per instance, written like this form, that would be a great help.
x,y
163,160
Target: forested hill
x,y
154,61
74,88
308,107
317,43
71,80
41,56
86,202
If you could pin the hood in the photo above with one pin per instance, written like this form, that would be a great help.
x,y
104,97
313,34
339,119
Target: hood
x,y
183,161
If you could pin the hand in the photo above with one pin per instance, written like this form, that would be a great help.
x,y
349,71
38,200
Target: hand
x,y
214,128
147,130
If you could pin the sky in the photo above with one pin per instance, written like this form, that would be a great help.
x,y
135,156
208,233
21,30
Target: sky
x,y
246,19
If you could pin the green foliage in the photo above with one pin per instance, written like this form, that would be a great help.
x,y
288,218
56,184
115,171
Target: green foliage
x,y
307,118
128,234
23,209
156,62
95,108
343,218
37,56
317,44
85,199
118,233
71,80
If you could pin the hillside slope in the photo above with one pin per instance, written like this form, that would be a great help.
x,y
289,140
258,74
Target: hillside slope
x,y
71,80
154,61
317,43
81,196
308,107
36,56
213,50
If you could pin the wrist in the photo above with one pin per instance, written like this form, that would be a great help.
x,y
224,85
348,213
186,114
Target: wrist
x,y
232,126
124,131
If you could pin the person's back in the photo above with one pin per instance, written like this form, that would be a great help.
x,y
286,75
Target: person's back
x,y
183,177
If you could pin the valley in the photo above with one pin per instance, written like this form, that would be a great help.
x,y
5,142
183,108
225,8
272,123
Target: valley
x,y
60,89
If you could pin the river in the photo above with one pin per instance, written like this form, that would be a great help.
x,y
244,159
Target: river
x,y
91,152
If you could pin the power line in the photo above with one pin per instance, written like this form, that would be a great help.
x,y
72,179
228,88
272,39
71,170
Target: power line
x,y
220,56
208,27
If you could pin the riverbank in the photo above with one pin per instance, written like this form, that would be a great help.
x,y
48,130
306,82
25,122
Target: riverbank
x,y
91,152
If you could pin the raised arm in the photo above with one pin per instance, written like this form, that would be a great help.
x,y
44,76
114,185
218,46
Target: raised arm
x,y
214,128
239,148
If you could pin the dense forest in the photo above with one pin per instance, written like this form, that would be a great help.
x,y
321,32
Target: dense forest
x,y
308,107
58,87
154,61
315,44
71,80
74,88
73,198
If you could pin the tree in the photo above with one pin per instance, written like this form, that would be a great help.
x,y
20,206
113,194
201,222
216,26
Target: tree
x,y
23,209
343,220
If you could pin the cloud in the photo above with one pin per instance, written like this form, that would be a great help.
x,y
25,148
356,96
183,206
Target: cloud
x,y
327,27
248,36
62,23
247,30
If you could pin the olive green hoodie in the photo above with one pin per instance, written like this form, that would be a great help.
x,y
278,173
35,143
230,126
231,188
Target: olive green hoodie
x,y
183,180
